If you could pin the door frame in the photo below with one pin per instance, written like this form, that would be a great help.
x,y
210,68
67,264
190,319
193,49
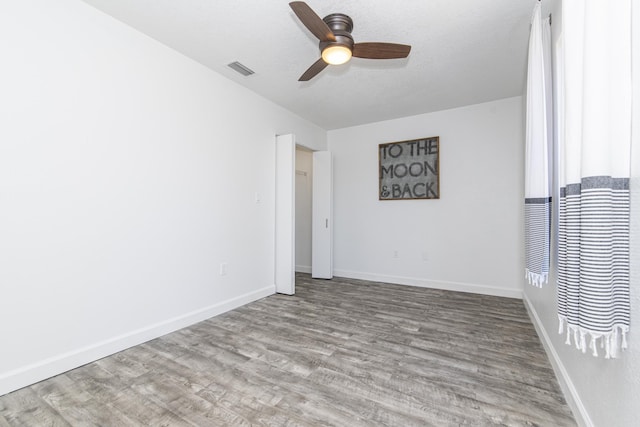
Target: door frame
x,y
285,215
284,273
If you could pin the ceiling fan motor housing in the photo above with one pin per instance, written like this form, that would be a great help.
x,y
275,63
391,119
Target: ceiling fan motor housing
x,y
341,25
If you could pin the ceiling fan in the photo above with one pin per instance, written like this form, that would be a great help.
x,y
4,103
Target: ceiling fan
x,y
336,43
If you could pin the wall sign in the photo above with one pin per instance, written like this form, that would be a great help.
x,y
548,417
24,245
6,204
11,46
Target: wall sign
x,y
409,169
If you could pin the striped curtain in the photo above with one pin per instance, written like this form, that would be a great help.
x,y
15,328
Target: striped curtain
x,y
594,171
539,134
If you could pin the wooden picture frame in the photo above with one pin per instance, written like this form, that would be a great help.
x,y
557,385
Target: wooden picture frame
x,y
409,170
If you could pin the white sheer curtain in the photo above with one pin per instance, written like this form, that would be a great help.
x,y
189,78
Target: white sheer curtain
x,y
539,135
594,170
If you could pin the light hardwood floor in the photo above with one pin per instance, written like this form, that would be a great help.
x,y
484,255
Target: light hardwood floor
x,y
341,352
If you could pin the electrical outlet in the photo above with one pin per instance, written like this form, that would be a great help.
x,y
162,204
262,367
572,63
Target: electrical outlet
x,y
223,268
425,256
395,254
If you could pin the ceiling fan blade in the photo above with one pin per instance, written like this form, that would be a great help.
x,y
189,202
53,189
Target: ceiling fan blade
x,y
312,21
312,71
381,50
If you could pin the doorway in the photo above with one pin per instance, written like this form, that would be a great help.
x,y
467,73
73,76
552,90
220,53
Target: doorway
x,y
319,174
303,208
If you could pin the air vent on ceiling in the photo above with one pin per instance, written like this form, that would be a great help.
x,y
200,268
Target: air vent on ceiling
x,y
242,69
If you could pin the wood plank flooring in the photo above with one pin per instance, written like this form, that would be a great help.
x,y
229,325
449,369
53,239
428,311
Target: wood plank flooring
x,y
339,353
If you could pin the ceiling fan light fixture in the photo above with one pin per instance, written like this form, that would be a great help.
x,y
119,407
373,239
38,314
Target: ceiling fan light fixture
x,y
336,42
336,54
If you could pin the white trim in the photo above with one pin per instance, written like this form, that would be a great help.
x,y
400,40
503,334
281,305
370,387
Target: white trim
x,y
30,374
434,284
568,389
285,214
303,269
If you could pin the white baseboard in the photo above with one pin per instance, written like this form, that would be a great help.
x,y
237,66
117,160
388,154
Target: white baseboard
x,y
303,269
434,284
30,374
568,389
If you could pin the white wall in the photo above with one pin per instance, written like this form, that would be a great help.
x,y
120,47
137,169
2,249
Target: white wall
x,y
471,239
128,174
304,181
600,392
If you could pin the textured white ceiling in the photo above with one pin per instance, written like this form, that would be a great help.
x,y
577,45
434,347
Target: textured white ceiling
x,y
463,51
